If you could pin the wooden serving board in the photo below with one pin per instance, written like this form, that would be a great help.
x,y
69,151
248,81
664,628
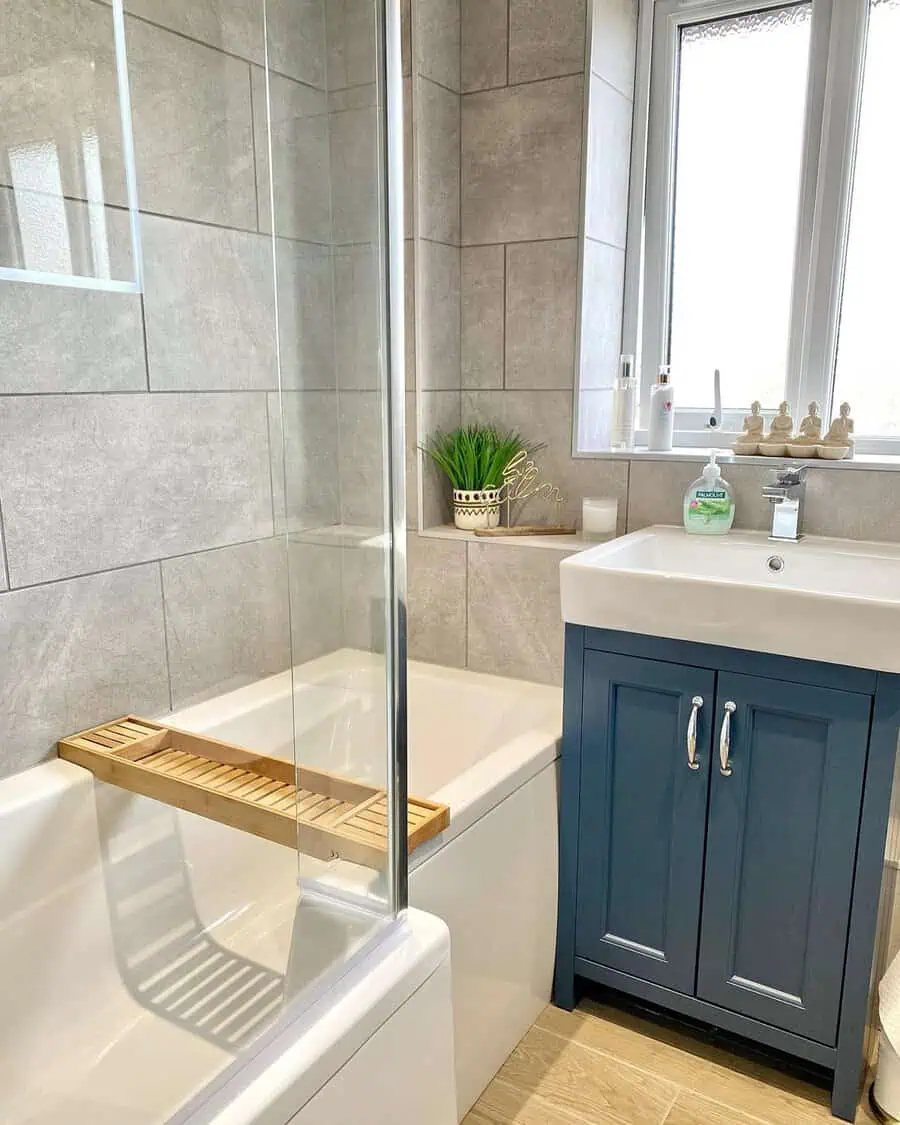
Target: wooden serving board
x,y
319,813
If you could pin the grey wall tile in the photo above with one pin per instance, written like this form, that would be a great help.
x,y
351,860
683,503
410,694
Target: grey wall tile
x,y
350,35
305,461
546,38
602,296
356,317
852,504
608,164
484,44
438,410
406,37
514,616
438,138
91,482
363,597
227,618
541,297
410,332
614,42
361,458
77,654
547,416
483,313
656,493
296,30
355,173
439,317
437,600
437,31
301,176
412,460
54,338
235,26
209,300
521,162
193,130
317,625
3,580
305,315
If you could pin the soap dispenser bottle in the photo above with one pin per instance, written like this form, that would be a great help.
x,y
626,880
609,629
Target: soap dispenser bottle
x,y
709,503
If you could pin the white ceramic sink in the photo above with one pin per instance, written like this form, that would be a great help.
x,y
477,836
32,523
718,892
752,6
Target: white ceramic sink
x,y
832,599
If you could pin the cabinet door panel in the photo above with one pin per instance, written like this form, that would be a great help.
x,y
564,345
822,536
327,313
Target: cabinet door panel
x,y
781,849
643,817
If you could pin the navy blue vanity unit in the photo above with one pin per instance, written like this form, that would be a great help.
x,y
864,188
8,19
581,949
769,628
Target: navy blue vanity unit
x,y
723,820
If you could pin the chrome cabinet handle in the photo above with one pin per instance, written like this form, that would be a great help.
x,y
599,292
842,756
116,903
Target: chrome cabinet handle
x,y
696,704
725,740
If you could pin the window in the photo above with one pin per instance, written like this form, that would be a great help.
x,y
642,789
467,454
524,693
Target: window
x,y
764,199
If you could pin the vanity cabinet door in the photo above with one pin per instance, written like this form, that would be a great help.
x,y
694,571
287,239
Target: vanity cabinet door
x,y
642,816
781,851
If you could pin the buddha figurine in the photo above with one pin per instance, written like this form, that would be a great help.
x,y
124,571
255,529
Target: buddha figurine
x,y
748,441
840,434
810,427
782,426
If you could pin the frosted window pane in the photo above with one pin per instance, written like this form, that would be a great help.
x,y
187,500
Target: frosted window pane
x,y
868,368
741,110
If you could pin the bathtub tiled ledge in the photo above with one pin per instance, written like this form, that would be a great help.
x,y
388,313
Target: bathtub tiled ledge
x,y
566,543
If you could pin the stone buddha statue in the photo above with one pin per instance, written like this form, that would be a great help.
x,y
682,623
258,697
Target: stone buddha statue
x,y
810,427
782,426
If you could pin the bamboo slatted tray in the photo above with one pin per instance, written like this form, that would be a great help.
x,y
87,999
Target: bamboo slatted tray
x,y
322,814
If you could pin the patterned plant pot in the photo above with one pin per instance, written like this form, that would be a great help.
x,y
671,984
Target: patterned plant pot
x,y
479,508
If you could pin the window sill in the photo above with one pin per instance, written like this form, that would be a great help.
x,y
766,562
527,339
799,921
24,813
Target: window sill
x,y
546,542
872,461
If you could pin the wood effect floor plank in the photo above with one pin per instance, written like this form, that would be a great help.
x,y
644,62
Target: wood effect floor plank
x,y
502,1104
692,1109
597,1088
658,1049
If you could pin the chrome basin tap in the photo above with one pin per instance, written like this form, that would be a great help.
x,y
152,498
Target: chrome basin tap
x,y
786,492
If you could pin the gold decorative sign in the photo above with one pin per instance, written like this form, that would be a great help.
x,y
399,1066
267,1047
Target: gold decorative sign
x,y
522,481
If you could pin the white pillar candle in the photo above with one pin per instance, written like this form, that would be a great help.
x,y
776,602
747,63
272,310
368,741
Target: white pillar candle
x,y
598,517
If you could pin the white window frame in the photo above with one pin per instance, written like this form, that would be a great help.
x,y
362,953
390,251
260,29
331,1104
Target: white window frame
x,y
836,71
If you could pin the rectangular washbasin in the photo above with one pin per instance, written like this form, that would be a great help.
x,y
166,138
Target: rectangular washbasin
x,y
821,599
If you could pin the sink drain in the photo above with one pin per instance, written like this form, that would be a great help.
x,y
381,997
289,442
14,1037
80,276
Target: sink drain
x,y
775,563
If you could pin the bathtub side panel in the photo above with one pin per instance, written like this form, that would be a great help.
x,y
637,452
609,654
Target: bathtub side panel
x,y
495,886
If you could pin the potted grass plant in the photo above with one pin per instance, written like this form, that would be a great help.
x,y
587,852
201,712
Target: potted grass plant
x,y
473,459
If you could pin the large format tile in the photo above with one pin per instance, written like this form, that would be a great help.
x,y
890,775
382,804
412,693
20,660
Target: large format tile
x,y
355,171
514,621
851,504
316,600
438,133
541,296
209,300
296,39
306,322
437,31
91,482
77,654
357,323
439,317
437,600
483,316
304,459
521,162
227,618
546,38
351,42
296,128
364,599
438,410
608,164
193,128
656,493
602,295
546,416
56,338
597,1088
614,42
361,464
484,44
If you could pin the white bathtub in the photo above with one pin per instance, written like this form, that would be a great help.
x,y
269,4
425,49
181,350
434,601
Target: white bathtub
x,y
488,748
484,745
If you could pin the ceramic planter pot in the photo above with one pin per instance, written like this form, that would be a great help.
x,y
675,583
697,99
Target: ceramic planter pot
x,y
478,508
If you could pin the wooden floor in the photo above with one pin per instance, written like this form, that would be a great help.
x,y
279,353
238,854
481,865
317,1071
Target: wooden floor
x,y
603,1066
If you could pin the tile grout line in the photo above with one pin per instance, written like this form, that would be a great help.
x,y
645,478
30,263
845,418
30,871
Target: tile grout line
x,y
162,594
253,151
504,346
3,544
508,25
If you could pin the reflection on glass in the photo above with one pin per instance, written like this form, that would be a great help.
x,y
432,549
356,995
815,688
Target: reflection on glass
x,y
64,201
868,368
741,106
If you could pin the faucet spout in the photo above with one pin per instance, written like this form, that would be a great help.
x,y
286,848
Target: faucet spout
x,y
786,492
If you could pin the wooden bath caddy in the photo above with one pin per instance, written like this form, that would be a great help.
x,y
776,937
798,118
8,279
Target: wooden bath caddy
x,y
322,814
